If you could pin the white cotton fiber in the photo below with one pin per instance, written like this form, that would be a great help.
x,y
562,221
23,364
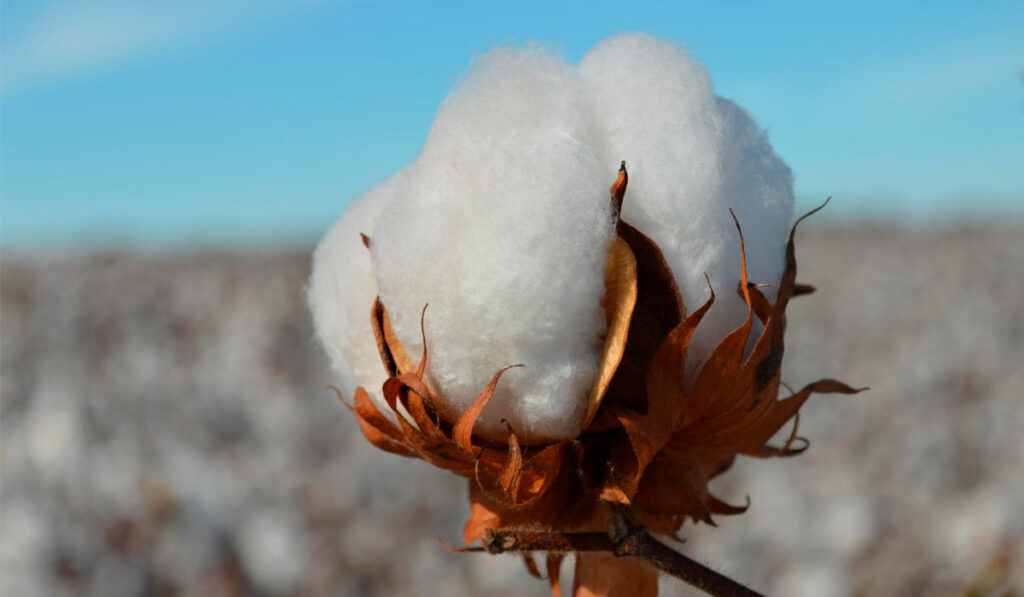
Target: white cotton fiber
x,y
502,222
691,157
502,229
341,292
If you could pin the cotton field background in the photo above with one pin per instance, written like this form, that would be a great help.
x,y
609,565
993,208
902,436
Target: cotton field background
x,y
166,429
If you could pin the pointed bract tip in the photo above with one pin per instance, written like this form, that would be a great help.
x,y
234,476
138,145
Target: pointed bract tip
x,y
618,188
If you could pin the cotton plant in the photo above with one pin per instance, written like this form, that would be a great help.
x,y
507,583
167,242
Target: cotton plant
x,y
588,357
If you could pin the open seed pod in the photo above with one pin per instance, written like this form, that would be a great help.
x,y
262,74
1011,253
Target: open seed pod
x,y
653,438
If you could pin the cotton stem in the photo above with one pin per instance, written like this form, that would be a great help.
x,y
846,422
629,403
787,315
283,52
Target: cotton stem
x,y
627,537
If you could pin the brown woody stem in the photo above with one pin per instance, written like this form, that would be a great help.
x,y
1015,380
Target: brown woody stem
x,y
626,537
496,542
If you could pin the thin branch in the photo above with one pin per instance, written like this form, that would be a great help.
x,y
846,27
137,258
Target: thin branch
x,y
627,537
633,539
496,542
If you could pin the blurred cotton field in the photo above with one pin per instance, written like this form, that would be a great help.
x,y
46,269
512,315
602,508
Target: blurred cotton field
x,y
166,430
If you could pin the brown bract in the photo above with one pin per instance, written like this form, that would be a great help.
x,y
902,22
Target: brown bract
x,y
652,439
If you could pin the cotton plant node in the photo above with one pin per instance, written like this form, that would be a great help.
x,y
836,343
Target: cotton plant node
x,y
651,444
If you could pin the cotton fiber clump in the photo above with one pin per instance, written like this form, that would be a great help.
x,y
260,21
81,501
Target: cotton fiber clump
x,y
341,292
502,222
502,229
691,157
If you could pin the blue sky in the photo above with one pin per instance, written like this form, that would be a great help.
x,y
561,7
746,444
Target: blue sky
x,y
216,123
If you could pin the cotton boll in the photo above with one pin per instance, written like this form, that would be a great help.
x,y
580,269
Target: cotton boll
x,y
342,289
503,229
502,222
692,156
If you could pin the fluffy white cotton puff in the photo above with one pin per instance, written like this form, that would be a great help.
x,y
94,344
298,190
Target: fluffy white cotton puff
x,y
502,221
691,157
341,292
503,229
